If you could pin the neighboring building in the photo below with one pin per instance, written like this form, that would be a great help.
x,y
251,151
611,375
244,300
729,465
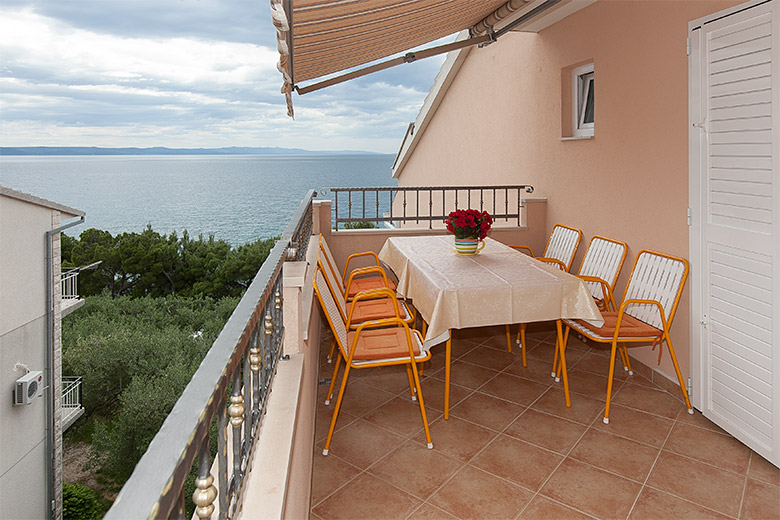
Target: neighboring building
x,y
677,151
30,340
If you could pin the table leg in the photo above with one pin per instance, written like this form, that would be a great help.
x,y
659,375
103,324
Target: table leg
x,y
448,355
559,349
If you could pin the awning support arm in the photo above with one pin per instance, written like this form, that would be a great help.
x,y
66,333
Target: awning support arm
x,y
409,57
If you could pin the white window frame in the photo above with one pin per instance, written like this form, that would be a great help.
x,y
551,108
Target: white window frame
x,y
581,81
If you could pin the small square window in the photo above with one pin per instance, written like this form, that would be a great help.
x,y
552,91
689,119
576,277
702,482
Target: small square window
x,y
583,101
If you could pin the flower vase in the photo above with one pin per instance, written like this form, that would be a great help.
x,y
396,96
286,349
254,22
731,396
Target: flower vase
x,y
468,246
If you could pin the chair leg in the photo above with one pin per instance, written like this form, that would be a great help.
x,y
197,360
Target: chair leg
x,y
447,358
422,404
627,364
679,375
609,381
521,340
336,408
333,378
557,369
411,382
559,346
332,348
508,339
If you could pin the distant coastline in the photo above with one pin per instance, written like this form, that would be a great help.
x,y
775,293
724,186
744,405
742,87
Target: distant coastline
x,y
161,150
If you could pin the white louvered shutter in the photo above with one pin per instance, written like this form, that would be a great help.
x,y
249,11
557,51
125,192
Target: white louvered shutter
x,y
737,224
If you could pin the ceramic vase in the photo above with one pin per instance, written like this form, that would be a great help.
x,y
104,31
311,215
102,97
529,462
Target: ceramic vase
x,y
468,246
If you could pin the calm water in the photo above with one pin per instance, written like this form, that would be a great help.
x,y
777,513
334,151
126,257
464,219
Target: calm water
x,y
238,198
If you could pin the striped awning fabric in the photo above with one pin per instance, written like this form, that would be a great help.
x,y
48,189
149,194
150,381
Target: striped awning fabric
x,y
320,37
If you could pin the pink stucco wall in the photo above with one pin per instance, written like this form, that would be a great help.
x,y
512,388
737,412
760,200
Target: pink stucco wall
x,y
502,117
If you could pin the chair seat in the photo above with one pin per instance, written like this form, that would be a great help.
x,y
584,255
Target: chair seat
x,y
366,284
390,343
630,327
367,310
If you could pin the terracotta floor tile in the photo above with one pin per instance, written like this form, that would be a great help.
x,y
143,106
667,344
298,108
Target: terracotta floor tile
x,y
487,411
401,415
619,455
592,385
415,469
498,341
762,501
474,494
458,438
597,363
697,419
489,358
360,397
546,352
720,450
648,400
368,497
640,426
328,475
763,470
363,443
698,482
591,490
535,370
391,379
542,508
583,409
547,431
467,374
515,389
433,393
324,416
429,512
653,505
517,461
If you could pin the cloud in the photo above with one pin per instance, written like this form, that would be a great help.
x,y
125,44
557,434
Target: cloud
x,y
185,73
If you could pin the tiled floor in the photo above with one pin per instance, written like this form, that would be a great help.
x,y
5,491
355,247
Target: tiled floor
x,y
511,449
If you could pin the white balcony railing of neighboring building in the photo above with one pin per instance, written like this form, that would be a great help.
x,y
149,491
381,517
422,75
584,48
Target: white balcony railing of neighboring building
x,y
71,401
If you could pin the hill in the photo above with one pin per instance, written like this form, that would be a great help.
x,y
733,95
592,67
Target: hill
x,y
161,150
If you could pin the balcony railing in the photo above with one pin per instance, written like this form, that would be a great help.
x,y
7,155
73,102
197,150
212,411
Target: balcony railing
x,y
230,387
69,281
71,401
396,206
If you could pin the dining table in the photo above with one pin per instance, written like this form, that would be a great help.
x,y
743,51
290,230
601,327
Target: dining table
x,y
497,286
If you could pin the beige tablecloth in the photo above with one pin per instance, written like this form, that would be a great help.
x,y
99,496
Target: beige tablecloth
x,y
497,286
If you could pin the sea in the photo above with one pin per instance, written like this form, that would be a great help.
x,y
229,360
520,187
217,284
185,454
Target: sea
x,y
236,198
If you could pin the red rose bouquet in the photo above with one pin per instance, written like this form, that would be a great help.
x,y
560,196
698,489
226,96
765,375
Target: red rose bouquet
x,y
469,223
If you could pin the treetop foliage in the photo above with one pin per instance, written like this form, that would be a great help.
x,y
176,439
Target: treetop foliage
x,y
151,264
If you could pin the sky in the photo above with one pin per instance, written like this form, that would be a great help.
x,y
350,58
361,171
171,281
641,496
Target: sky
x,y
181,74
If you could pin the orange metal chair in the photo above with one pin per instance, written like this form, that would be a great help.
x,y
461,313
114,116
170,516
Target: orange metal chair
x,y
373,344
365,306
645,316
560,250
360,279
561,247
600,269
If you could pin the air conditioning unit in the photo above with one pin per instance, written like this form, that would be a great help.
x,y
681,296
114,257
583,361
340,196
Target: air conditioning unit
x,y
28,387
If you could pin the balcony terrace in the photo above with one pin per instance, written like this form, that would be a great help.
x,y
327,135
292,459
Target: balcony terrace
x,y
510,449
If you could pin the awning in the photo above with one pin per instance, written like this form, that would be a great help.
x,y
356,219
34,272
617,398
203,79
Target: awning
x,y
320,37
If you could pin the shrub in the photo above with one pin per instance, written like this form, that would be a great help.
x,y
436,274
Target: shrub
x,y
80,502
364,224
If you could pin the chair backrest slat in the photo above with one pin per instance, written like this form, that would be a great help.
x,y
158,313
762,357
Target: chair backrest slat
x,y
656,277
331,261
562,244
603,259
332,282
337,324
